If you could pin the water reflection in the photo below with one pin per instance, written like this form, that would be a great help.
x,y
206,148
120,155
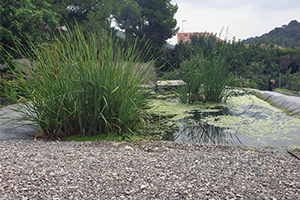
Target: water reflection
x,y
193,129
253,125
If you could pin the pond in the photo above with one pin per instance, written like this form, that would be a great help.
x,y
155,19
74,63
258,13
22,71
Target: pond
x,y
244,120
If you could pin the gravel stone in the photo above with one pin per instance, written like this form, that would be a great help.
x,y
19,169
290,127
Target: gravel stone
x,y
157,170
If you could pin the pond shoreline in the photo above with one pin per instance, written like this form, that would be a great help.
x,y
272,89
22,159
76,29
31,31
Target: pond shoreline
x,y
7,130
285,101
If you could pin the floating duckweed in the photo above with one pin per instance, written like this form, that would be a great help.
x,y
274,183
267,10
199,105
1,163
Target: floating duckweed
x,y
176,108
260,119
246,120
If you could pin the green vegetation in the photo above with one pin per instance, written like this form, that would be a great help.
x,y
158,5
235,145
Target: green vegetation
x,y
296,150
206,78
254,65
85,81
39,21
153,20
269,147
287,36
253,149
25,20
83,85
291,81
287,91
91,15
94,138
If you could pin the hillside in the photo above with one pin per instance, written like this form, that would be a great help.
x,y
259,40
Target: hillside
x,y
287,36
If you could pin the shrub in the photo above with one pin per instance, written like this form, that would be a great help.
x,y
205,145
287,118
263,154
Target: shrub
x,y
291,81
205,77
253,85
84,85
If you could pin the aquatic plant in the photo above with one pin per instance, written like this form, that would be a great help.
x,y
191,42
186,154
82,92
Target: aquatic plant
x,y
205,77
83,85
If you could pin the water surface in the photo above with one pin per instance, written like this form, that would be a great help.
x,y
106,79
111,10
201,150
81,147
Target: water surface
x,y
246,120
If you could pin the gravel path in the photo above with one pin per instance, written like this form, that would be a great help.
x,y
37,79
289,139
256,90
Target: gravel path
x,y
162,170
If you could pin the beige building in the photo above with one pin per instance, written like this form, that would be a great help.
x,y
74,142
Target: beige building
x,y
186,37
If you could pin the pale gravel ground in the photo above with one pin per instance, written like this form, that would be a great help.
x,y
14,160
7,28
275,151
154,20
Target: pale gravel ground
x,y
162,170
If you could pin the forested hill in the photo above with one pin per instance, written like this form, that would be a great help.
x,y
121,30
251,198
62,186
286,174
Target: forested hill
x,y
287,36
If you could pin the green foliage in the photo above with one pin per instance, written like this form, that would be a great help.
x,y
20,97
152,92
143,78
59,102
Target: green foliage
x,y
291,81
206,78
95,138
153,20
290,59
84,85
191,73
286,36
257,63
91,15
130,18
25,20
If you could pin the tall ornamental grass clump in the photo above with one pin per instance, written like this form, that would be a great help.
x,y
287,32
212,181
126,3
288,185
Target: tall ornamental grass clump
x,y
206,78
84,85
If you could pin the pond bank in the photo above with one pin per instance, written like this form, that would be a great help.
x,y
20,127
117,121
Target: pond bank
x,y
11,125
291,103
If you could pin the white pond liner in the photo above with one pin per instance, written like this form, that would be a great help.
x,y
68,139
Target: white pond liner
x,y
12,126
291,103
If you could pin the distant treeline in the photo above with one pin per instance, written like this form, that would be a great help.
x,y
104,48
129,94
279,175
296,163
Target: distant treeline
x,y
287,36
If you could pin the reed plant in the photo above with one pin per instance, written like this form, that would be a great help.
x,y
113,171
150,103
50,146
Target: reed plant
x,y
206,77
83,85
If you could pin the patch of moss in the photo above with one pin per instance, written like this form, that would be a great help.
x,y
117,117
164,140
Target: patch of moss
x,y
252,149
269,147
95,138
296,150
287,91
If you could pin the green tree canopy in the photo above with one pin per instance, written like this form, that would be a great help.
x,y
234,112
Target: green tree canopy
x,y
91,15
153,20
25,19
130,18
286,36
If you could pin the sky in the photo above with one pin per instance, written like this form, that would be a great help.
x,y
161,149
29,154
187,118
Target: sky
x,y
240,18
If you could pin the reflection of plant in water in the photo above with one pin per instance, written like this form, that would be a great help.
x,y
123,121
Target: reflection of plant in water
x,y
158,127
205,133
195,130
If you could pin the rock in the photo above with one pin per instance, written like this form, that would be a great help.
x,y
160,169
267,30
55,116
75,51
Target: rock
x,y
143,187
129,148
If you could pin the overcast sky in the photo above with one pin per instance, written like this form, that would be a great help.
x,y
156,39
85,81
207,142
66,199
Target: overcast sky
x,y
240,18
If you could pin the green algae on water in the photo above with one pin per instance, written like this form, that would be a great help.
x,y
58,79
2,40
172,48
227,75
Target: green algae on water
x,y
173,107
243,119
256,118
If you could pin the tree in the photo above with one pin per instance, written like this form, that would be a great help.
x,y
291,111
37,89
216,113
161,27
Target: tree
x,y
31,20
91,15
285,36
130,18
156,23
